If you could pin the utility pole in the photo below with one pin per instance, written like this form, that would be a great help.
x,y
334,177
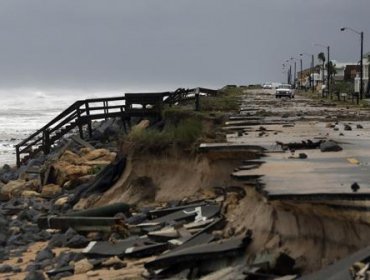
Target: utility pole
x,y
300,83
312,73
295,72
361,57
328,75
362,67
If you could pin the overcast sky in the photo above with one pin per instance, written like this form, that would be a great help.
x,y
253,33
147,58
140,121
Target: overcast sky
x,y
118,45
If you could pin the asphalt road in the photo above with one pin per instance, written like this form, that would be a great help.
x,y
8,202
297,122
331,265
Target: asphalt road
x,y
297,120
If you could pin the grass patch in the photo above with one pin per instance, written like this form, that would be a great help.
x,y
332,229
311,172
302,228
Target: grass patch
x,y
220,103
185,133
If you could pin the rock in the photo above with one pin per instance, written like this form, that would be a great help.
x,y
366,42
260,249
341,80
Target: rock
x,y
62,275
57,240
262,128
5,168
61,201
13,188
4,268
101,154
66,171
3,254
330,125
302,156
14,230
359,126
35,275
330,146
92,273
33,267
65,258
50,190
30,194
77,241
7,174
82,266
347,127
3,222
355,187
115,262
107,129
69,185
71,158
70,233
44,255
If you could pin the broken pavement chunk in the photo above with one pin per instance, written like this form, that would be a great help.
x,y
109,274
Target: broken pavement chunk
x,y
168,210
134,247
330,146
214,250
199,212
78,223
104,211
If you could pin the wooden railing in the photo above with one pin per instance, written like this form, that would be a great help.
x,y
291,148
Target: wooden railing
x,y
83,112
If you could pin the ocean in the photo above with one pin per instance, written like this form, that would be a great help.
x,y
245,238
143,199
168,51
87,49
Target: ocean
x,y
23,114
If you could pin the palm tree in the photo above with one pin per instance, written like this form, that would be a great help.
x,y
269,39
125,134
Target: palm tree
x,y
330,66
321,57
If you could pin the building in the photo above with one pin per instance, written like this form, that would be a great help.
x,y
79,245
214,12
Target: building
x,y
350,72
342,68
313,73
366,72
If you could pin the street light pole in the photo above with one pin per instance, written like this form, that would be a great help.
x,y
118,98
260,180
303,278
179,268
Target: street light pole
x,y
328,75
295,70
312,73
361,56
300,83
361,66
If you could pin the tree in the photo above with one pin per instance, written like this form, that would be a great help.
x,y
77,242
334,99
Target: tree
x,y
330,66
321,57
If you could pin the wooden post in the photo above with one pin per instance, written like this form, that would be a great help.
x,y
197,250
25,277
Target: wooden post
x,y
46,141
105,105
18,156
79,124
197,103
89,127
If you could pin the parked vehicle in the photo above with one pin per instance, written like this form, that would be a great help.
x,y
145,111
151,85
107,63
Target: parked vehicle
x,y
284,90
267,86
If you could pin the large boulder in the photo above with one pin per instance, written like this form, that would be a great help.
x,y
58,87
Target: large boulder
x,y
50,190
101,154
82,266
71,158
13,188
65,171
29,193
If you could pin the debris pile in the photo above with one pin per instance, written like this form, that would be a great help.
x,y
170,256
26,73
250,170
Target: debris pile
x,y
177,239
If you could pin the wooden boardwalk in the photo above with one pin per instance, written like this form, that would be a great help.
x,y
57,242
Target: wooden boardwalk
x,y
81,114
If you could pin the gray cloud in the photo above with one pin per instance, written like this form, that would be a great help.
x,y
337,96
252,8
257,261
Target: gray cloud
x,y
109,45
